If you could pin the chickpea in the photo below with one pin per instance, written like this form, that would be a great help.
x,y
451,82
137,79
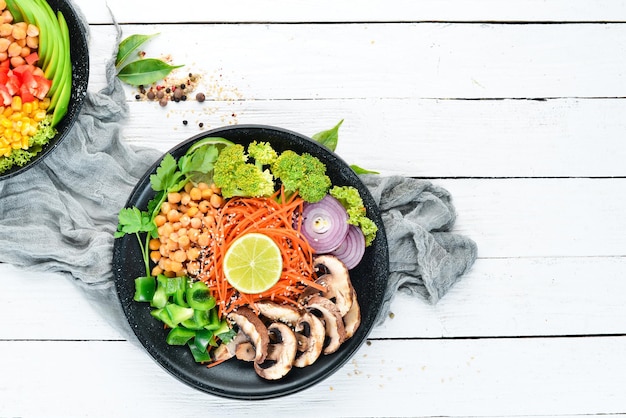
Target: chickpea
x,y
195,194
156,270
154,244
216,189
155,256
184,242
204,206
203,186
193,267
3,4
32,42
207,193
6,17
159,220
185,220
176,266
14,50
209,220
4,44
5,30
25,52
193,234
217,201
188,186
185,198
17,61
192,211
18,31
179,256
196,223
166,207
173,215
173,197
32,31
203,239
171,245
193,253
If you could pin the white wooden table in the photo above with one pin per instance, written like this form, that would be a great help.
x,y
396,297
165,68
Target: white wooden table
x,y
517,108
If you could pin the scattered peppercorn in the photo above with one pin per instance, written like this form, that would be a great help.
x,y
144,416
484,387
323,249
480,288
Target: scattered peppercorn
x,y
185,122
150,95
163,102
201,124
200,97
182,86
138,97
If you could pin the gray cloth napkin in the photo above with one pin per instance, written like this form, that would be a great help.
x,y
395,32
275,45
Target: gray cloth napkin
x,y
60,215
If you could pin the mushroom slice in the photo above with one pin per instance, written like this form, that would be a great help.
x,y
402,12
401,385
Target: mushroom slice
x,y
352,319
333,322
337,280
245,351
276,312
228,350
281,353
253,328
310,333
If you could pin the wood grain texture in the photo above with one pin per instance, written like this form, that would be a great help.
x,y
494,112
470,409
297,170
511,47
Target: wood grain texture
x,y
144,11
485,377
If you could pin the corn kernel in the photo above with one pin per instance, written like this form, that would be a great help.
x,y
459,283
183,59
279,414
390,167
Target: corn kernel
x,y
16,103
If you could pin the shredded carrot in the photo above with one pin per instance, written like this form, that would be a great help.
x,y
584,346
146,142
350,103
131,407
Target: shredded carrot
x,y
276,216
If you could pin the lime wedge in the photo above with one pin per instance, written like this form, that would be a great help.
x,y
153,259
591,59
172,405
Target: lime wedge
x,y
220,142
253,263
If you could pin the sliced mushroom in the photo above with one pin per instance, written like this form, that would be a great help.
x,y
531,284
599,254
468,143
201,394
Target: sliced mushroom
x,y
352,319
245,351
228,350
337,281
276,312
253,328
310,333
281,353
333,322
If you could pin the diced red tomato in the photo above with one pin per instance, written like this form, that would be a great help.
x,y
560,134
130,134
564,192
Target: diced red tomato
x,y
31,58
27,81
13,84
5,96
25,94
5,64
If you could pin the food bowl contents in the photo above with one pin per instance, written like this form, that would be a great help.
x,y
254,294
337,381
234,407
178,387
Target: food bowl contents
x,y
35,78
248,254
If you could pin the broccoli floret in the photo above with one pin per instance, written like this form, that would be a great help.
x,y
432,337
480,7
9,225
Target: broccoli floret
x,y
302,173
238,177
262,153
350,199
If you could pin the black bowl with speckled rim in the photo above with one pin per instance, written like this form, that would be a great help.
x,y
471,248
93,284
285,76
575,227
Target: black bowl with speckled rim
x,y
237,379
80,77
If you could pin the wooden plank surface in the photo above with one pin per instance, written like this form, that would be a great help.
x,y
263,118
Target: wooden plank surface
x,y
465,377
355,11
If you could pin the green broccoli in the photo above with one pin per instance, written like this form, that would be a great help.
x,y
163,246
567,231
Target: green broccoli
x,y
350,199
302,173
237,177
262,153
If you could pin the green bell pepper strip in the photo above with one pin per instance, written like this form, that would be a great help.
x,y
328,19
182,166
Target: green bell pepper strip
x,y
200,356
199,297
178,313
179,336
144,289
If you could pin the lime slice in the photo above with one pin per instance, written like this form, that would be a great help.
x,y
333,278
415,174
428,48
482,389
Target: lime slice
x,y
253,263
212,140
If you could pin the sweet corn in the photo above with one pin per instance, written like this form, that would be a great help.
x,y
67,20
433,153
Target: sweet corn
x,y
19,123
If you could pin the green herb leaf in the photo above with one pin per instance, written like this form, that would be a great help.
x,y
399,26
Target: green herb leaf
x,y
145,71
360,170
330,137
130,45
165,174
132,220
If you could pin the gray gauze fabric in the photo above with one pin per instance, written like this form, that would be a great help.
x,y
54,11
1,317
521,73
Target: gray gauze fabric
x,y
60,215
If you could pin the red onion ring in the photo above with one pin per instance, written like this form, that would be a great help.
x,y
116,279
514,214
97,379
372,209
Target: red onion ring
x,y
324,224
352,249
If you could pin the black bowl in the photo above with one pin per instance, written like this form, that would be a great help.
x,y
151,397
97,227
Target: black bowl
x,y
80,71
237,379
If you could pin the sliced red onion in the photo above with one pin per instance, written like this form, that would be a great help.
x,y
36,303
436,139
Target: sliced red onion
x,y
352,248
324,224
